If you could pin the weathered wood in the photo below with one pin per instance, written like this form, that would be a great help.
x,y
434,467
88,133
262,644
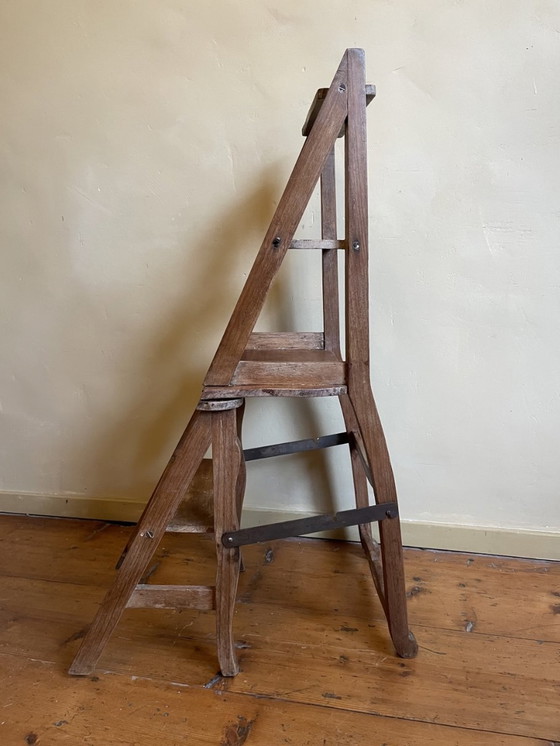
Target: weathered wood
x,y
331,313
283,355
172,597
286,341
301,392
219,406
149,532
227,457
357,356
318,653
295,374
494,596
250,363
328,244
42,704
318,102
283,226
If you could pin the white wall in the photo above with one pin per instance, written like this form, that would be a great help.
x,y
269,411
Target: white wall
x,y
143,148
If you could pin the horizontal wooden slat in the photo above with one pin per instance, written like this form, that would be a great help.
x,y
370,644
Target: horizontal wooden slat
x,y
276,355
286,341
301,392
296,374
316,243
68,710
201,597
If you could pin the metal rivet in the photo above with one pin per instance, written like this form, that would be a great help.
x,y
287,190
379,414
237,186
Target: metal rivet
x,y
390,514
276,241
342,87
356,245
149,534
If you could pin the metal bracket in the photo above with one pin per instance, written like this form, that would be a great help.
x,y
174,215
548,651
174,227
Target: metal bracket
x,y
311,525
296,446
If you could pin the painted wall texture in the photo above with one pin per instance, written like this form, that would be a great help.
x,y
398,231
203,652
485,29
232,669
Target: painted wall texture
x,y
144,146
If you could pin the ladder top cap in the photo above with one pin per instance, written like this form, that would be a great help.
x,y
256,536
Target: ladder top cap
x,y
318,102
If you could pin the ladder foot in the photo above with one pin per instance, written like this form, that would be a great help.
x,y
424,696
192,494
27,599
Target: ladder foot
x,y
231,668
407,648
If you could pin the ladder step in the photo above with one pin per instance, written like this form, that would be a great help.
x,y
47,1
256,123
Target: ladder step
x,y
201,597
315,243
295,374
248,391
286,341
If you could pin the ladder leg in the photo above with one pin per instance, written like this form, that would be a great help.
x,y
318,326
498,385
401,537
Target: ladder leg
x,y
226,459
369,545
241,476
394,592
150,530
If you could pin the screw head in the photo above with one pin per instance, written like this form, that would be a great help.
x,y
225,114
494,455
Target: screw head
x,y
276,241
356,245
149,534
342,87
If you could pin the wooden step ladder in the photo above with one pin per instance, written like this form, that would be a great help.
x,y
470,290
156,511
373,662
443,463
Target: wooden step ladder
x,y
287,364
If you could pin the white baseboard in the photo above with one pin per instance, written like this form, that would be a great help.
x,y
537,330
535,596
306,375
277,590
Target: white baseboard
x,y
532,543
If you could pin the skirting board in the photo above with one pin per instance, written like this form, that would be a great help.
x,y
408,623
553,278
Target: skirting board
x,y
532,543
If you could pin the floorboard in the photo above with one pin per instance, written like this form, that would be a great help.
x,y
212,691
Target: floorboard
x,y
317,666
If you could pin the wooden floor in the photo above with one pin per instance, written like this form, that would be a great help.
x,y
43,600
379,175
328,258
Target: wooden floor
x,y
317,666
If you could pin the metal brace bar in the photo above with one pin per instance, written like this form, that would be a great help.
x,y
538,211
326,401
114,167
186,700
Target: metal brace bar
x,y
296,446
311,525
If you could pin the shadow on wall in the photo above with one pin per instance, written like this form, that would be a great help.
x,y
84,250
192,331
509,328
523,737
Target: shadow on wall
x,y
134,448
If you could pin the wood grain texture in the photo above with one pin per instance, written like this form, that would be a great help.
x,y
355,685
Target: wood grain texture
x,y
331,300
152,596
227,458
330,244
318,102
113,710
302,392
315,668
253,373
286,341
146,536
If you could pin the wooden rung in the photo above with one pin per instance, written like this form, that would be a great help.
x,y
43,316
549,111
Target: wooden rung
x,y
294,374
248,391
318,102
201,597
316,243
295,355
286,341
